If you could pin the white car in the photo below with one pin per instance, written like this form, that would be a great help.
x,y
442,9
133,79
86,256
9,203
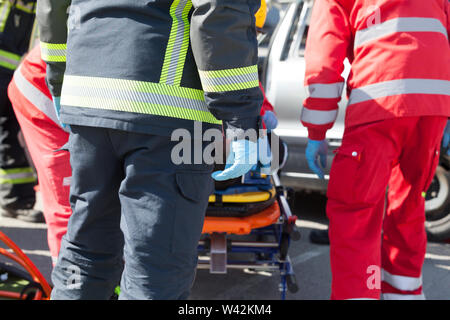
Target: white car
x,y
282,67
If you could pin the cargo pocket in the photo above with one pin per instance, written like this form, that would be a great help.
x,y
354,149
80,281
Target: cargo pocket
x,y
194,188
344,173
432,169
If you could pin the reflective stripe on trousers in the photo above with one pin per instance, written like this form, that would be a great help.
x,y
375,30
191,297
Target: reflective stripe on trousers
x,y
17,176
402,283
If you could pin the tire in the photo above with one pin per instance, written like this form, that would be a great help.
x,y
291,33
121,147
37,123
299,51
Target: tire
x,y
437,206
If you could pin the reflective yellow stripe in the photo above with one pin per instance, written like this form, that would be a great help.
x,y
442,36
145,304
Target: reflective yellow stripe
x,y
137,97
53,52
5,8
26,7
17,176
9,60
172,70
230,79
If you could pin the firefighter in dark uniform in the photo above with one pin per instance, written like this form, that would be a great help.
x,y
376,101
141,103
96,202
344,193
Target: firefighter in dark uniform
x,y
17,177
125,76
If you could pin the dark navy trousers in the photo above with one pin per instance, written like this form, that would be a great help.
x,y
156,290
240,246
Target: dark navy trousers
x,y
137,218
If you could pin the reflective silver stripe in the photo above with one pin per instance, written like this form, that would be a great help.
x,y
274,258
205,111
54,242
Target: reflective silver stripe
x,y
401,282
134,96
399,25
396,296
172,70
318,117
16,176
325,90
397,87
48,52
228,80
35,96
8,62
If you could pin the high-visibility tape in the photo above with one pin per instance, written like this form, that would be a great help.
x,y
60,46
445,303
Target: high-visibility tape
x,y
9,60
29,7
53,52
17,176
318,117
35,96
172,70
412,24
397,296
402,283
229,79
325,90
137,97
399,87
5,9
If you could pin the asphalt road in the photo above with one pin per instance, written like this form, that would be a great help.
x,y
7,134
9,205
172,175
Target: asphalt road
x,y
310,262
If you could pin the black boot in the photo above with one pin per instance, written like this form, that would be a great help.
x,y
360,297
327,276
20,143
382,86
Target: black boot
x,y
29,215
319,237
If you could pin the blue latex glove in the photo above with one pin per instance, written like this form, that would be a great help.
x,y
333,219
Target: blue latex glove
x,y
314,151
242,157
270,120
264,155
446,138
57,106
263,165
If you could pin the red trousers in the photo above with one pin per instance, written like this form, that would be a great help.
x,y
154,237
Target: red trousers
x,y
43,138
378,246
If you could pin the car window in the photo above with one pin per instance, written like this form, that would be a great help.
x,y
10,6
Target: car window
x,y
303,28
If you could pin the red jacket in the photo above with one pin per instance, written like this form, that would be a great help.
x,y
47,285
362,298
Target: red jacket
x,y
400,56
30,81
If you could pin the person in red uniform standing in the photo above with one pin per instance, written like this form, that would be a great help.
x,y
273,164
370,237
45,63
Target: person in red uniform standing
x,y
398,106
44,136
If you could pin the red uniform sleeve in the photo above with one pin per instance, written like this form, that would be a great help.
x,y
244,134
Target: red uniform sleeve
x,y
328,41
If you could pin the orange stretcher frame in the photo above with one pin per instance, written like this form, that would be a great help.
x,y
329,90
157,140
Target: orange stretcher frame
x,y
242,225
18,256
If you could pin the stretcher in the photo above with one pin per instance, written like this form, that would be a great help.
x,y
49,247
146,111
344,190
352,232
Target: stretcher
x,y
249,225
33,285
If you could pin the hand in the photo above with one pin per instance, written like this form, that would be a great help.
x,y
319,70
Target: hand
x,y
57,106
242,157
446,138
314,151
270,120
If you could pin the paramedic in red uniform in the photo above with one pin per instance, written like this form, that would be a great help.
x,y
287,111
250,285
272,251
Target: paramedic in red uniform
x,y
33,106
398,106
